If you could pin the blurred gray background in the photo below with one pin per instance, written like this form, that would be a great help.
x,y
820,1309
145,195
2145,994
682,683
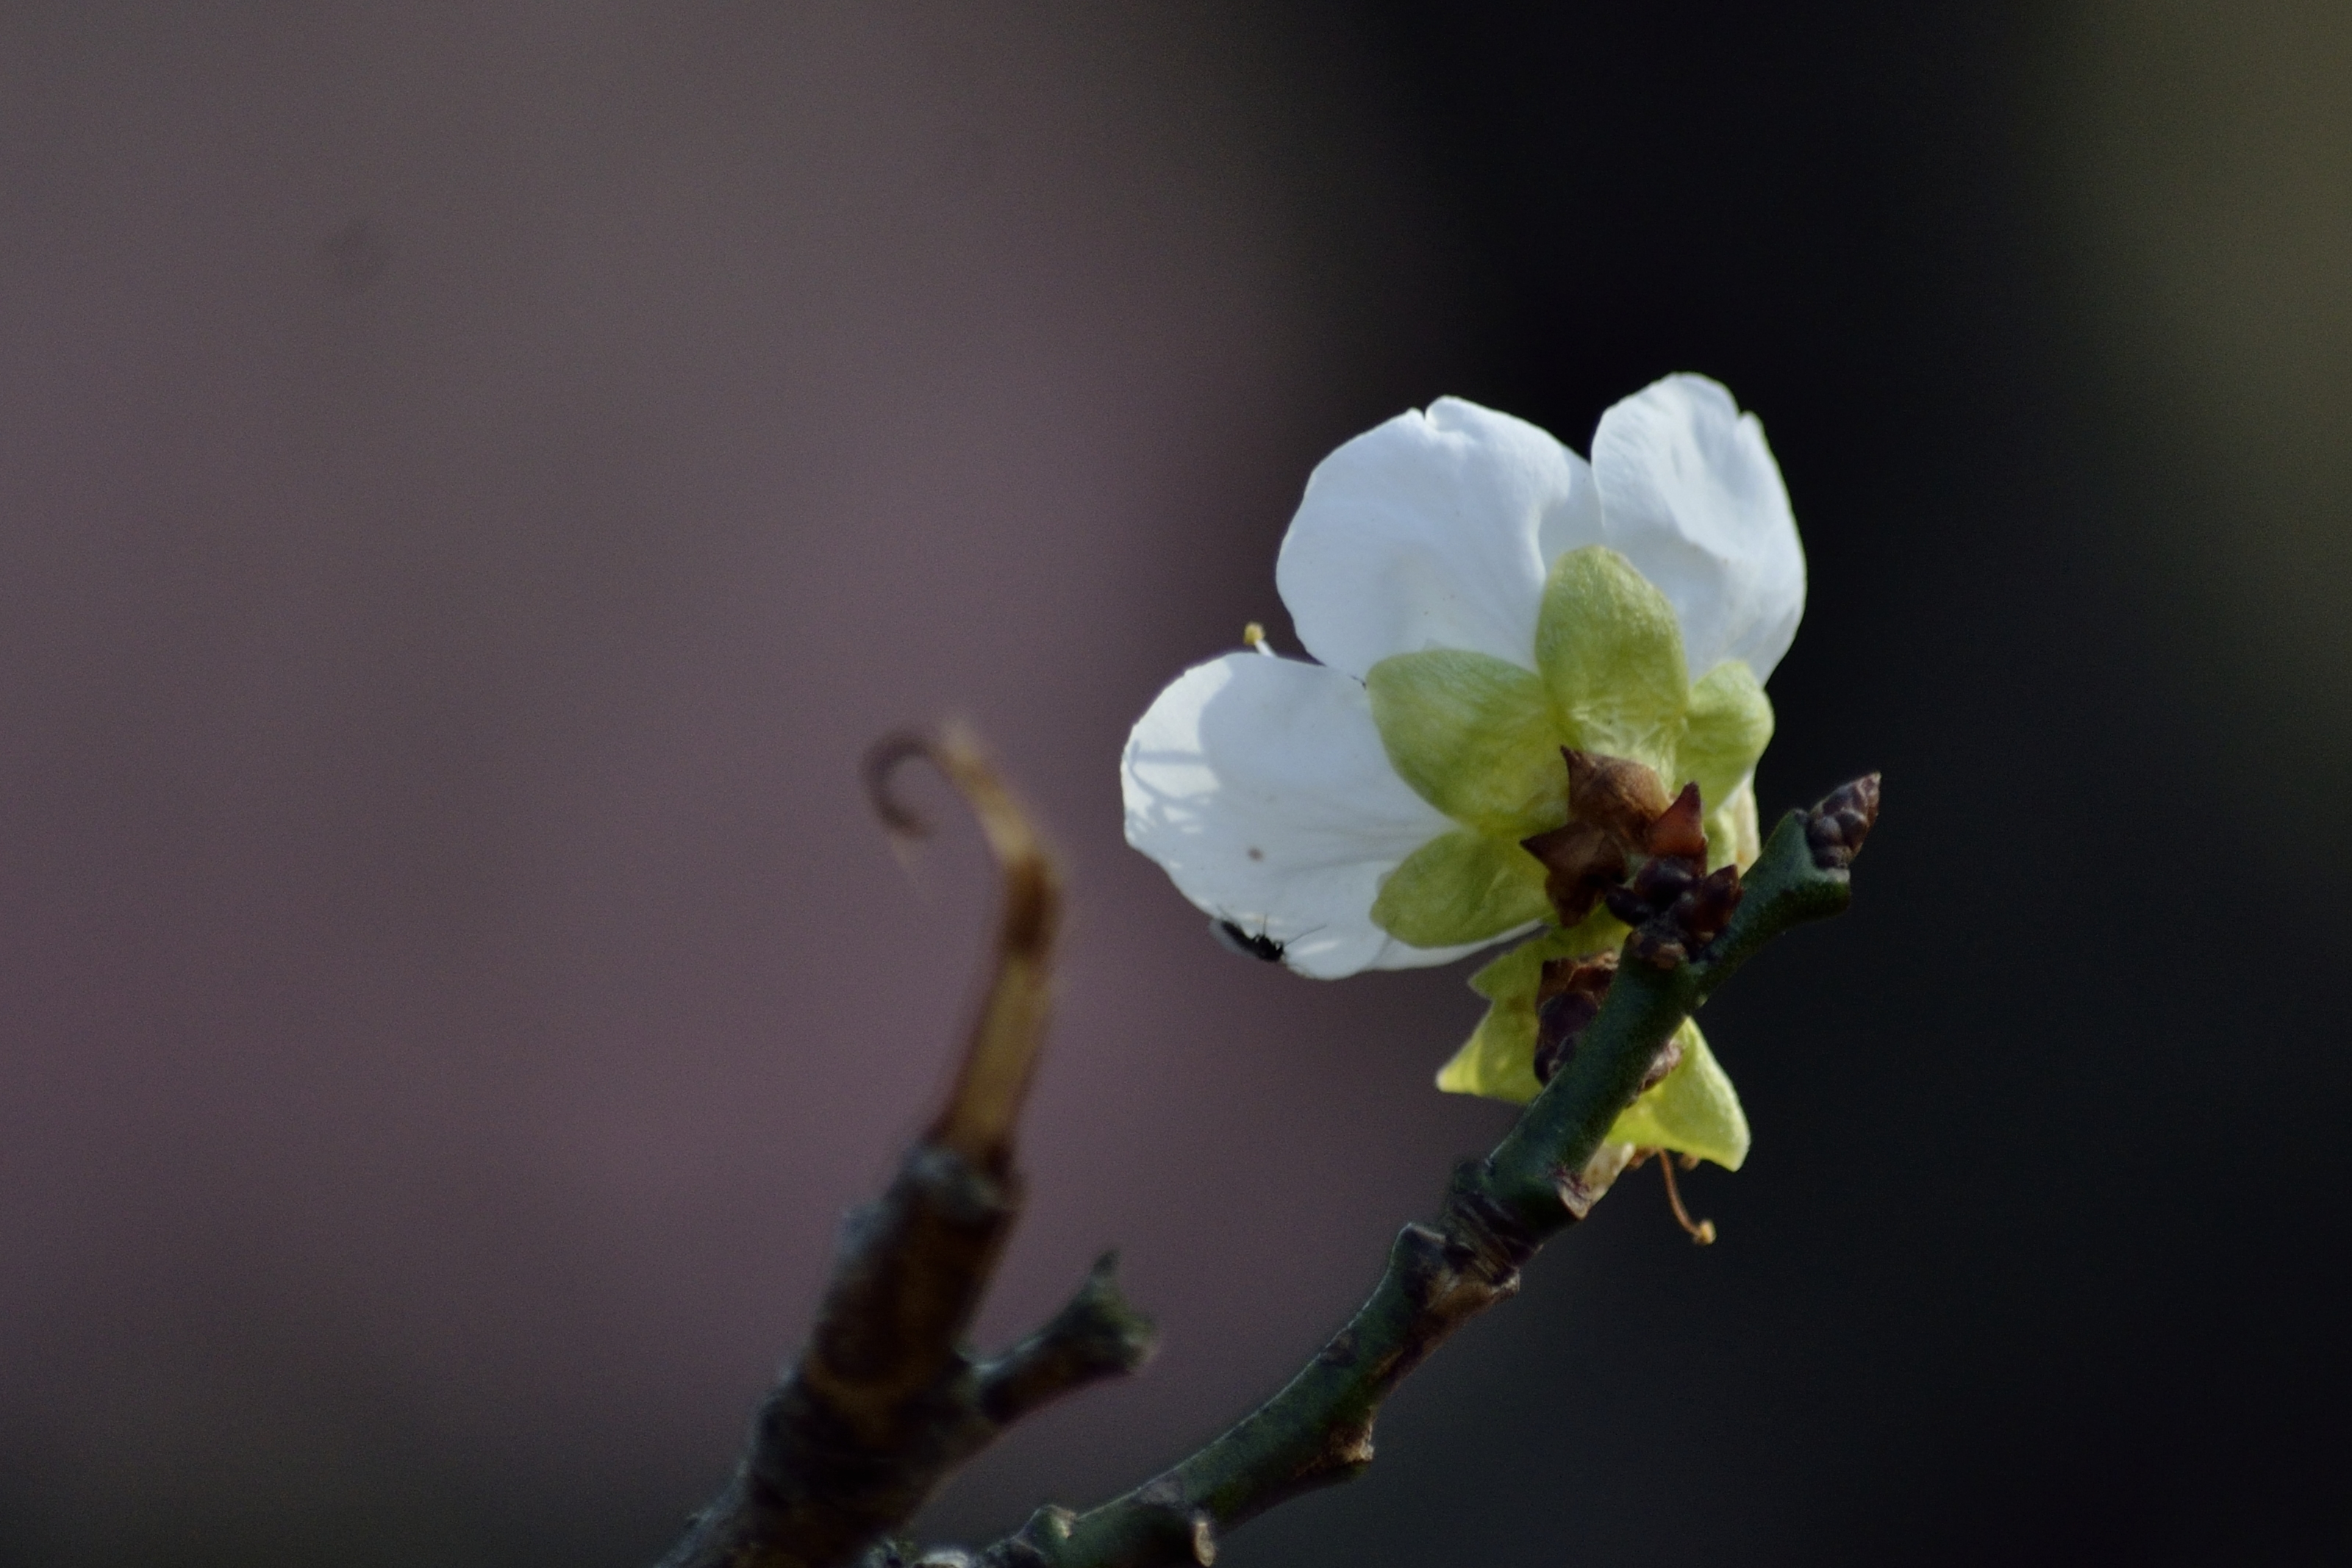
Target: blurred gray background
x,y
474,477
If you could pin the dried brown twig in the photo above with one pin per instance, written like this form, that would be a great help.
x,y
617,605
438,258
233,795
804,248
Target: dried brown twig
x,y
885,1400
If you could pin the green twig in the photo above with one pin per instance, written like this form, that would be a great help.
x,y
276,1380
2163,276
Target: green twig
x,y
1542,1177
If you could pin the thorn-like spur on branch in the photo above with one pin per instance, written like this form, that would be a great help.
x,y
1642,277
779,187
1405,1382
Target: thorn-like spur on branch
x,y
885,1400
1544,1175
1096,1336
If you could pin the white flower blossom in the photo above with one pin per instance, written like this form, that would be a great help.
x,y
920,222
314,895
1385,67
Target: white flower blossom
x,y
1278,798
1480,598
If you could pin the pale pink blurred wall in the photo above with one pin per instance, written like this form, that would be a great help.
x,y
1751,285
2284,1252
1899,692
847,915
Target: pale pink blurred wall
x,y
473,479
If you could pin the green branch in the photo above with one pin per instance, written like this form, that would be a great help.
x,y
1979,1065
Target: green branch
x,y
1542,1178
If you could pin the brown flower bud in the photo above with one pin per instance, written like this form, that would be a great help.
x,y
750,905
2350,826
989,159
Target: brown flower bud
x,y
1705,909
1659,944
1567,997
1614,804
1677,830
1835,829
1581,861
1621,820
1660,881
1615,793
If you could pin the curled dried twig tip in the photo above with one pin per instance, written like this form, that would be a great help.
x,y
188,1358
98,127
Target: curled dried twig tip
x,y
953,750
880,771
957,753
994,1074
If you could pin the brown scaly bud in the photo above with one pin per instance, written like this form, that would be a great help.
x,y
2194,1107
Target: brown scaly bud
x,y
1616,793
1581,861
1589,975
1682,911
1655,888
1705,910
1614,805
1835,829
1568,997
1659,944
1677,830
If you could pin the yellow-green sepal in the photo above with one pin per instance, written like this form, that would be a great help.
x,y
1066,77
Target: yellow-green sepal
x,y
1498,1061
1612,655
1693,1110
1726,728
1734,836
1461,886
1474,735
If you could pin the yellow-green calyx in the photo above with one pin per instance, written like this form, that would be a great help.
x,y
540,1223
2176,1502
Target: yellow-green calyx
x,y
1480,739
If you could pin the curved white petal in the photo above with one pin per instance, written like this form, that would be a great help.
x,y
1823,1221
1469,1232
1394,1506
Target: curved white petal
x,y
1261,786
1690,494
1434,530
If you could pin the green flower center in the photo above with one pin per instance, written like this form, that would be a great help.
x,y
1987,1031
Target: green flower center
x,y
1479,738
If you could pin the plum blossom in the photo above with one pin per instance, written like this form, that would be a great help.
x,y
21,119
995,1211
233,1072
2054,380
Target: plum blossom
x,y
1477,597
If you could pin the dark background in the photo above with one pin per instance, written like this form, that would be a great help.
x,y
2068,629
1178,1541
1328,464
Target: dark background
x,y
474,477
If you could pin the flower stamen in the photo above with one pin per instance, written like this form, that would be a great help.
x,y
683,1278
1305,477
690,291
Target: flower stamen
x,y
1701,1232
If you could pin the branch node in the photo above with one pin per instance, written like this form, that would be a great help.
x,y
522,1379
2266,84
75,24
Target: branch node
x,y
1038,1542
1173,1517
1097,1335
1349,1451
895,1554
1420,1254
1580,1189
1497,1239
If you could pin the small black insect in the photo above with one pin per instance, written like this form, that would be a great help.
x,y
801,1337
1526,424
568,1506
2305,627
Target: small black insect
x,y
1249,945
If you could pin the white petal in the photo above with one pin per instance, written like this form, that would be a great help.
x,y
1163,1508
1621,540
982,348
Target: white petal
x,y
1690,494
1260,784
1434,530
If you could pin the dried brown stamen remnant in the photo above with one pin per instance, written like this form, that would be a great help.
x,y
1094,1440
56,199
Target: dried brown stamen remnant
x,y
1701,1231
